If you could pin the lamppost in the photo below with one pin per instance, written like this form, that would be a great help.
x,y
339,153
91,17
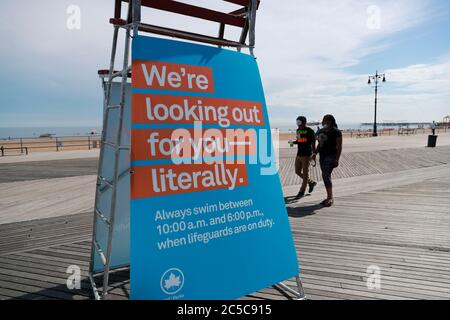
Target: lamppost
x,y
376,78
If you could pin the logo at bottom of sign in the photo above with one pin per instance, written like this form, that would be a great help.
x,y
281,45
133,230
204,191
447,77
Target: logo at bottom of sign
x,y
172,281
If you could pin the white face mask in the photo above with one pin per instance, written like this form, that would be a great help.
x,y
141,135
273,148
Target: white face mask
x,y
325,126
299,123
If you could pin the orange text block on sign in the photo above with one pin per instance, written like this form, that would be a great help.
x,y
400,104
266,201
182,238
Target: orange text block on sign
x,y
161,180
171,76
163,109
155,144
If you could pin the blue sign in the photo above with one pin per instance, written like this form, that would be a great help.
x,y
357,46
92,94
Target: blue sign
x,y
208,218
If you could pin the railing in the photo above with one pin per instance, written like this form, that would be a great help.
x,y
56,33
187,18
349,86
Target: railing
x,y
22,150
406,131
40,144
394,131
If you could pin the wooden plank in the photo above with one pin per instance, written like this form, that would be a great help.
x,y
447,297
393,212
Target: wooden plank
x,y
189,36
28,200
367,163
23,290
26,171
194,11
12,294
45,222
243,3
31,256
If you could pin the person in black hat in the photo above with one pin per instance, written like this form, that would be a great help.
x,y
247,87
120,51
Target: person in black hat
x,y
306,143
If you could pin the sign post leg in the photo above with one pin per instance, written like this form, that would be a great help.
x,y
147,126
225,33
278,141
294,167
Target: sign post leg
x,y
300,293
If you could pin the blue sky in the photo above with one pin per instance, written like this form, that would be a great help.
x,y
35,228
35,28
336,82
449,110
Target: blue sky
x,y
314,57
422,43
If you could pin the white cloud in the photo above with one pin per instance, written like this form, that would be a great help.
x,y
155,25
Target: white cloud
x,y
303,49
423,78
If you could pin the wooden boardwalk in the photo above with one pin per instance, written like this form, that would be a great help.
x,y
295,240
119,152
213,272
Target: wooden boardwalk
x,y
45,198
402,230
379,220
35,255
27,171
366,163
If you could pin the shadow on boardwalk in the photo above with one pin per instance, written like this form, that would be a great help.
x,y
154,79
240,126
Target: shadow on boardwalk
x,y
304,211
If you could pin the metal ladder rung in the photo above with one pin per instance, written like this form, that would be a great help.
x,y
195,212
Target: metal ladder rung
x,y
113,107
109,184
102,216
104,180
115,146
100,252
121,73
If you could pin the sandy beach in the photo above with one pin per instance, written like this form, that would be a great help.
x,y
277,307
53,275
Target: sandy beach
x,y
77,149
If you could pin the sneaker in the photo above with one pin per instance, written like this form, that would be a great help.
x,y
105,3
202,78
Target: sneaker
x,y
311,186
327,203
301,194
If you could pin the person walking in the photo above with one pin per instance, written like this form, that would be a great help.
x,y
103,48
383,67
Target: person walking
x,y
433,128
329,149
306,143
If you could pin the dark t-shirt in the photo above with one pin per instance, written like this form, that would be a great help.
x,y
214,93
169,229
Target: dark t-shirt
x,y
305,139
327,142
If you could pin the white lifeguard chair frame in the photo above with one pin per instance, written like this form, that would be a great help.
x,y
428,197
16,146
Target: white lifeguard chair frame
x,y
244,17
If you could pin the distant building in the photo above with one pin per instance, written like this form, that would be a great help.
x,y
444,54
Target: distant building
x,y
446,121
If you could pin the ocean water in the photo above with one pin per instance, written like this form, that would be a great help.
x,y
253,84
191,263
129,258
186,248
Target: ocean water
x,y
347,126
342,126
33,132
